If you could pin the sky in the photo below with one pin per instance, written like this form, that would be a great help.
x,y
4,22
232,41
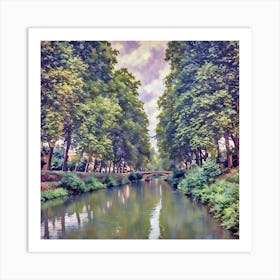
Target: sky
x,y
145,60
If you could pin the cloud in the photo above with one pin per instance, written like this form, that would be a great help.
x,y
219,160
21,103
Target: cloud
x,y
138,53
125,47
145,60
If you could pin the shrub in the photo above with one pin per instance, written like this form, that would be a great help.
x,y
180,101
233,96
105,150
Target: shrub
x,y
110,181
56,163
222,196
223,199
134,177
177,176
193,179
91,183
230,217
211,170
72,183
51,194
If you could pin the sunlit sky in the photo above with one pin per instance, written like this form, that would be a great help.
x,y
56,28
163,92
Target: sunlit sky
x,y
145,60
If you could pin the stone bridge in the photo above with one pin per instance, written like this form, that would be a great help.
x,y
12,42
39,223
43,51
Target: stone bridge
x,y
147,174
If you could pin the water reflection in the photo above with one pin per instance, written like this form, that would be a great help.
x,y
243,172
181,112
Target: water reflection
x,y
144,210
154,220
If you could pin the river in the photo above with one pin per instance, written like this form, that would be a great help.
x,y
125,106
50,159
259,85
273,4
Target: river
x,y
145,210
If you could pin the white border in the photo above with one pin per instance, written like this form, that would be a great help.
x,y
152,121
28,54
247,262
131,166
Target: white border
x,y
243,35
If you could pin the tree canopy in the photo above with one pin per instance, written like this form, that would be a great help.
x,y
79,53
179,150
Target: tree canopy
x,y
92,106
200,105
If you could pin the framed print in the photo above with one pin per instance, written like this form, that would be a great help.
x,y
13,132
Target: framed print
x,y
153,117
162,79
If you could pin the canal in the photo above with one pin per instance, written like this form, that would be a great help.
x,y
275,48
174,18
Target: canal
x,y
144,210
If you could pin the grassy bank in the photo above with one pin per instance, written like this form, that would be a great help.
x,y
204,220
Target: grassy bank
x,y
71,183
220,192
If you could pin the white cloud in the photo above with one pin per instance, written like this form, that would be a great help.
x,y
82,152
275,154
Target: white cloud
x,y
151,106
140,55
164,71
118,46
156,87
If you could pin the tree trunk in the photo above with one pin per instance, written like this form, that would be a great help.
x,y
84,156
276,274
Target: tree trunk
x,y
50,157
76,166
229,156
218,150
119,168
196,157
86,168
236,145
200,157
68,144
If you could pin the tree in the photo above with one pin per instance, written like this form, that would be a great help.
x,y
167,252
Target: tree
x,y
61,85
200,103
93,107
96,119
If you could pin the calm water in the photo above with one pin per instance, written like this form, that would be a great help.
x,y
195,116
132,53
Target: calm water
x,y
150,210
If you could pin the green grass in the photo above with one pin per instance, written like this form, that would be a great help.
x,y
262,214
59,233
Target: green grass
x,y
52,194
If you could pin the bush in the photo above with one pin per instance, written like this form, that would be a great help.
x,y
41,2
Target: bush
x,y
222,196
193,179
223,199
51,194
211,170
230,217
91,183
135,177
177,176
72,183
110,181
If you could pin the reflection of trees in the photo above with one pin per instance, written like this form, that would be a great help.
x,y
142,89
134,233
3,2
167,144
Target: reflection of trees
x,y
46,224
125,212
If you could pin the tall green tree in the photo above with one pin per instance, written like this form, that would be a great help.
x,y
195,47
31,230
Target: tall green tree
x,y
201,102
61,87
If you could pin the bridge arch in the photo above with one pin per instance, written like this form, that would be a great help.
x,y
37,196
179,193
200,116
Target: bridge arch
x,y
147,174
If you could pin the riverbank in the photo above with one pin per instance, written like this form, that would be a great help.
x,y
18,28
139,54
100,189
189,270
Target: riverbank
x,y
218,191
62,184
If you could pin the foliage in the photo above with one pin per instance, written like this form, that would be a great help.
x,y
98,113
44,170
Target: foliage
x,y
91,183
222,197
93,106
110,181
211,170
72,183
56,163
51,194
134,177
200,104
176,177
194,179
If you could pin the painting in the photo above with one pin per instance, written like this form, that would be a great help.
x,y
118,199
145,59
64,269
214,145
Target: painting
x,y
140,139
